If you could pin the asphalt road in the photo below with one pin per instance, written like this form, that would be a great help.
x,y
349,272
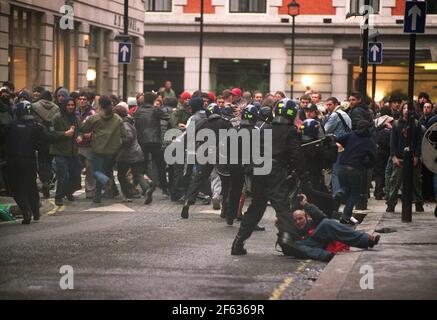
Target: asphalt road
x,y
132,251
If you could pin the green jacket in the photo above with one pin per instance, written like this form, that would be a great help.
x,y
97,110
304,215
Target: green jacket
x,y
180,115
63,146
107,132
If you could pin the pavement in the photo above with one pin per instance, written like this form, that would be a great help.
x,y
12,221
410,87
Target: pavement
x,y
402,266
132,251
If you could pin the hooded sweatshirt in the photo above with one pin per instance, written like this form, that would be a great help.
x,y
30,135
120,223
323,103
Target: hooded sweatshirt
x,y
359,149
44,111
107,132
62,121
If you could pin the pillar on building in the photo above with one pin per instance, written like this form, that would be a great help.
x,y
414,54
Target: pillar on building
x,y
4,40
279,78
46,56
339,75
82,67
113,64
191,75
139,66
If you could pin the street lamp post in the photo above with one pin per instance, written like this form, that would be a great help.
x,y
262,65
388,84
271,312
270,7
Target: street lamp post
x,y
293,11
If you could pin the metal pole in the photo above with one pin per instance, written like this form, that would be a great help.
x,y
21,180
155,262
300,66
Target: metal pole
x,y
407,185
374,79
201,44
365,54
362,202
292,57
126,32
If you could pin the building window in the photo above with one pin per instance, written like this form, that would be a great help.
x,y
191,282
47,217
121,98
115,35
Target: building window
x,y
357,4
65,52
431,6
249,6
24,47
98,59
159,5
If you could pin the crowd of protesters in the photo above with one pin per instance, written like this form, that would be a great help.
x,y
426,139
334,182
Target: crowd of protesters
x,y
332,147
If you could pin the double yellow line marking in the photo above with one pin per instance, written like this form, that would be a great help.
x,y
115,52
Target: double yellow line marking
x,y
55,209
277,293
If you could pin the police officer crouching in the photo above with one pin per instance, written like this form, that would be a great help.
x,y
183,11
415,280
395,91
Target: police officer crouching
x,y
23,137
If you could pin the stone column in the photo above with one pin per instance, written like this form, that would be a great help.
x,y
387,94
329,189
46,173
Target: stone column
x,y
4,40
339,75
139,66
46,55
82,58
113,65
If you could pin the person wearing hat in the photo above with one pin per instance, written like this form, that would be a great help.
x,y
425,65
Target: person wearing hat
x,y
311,112
422,99
274,187
132,105
214,122
22,138
383,126
180,116
61,95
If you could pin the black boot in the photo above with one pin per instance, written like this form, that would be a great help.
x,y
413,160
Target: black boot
x,y
238,247
185,209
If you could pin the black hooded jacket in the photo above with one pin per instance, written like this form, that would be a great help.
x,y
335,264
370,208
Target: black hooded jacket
x,y
360,112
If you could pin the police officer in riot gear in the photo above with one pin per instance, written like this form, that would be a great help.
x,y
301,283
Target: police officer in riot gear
x,y
214,122
274,187
232,184
22,138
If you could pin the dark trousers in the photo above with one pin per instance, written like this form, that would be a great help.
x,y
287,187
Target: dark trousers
x,y
200,177
350,181
137,170
45,170
22,181
68,179
232,187
379,174
274,188
327,231
155,150
179,178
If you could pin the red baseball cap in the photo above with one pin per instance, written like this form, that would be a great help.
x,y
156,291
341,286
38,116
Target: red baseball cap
x,y
236,92
211,96
185,95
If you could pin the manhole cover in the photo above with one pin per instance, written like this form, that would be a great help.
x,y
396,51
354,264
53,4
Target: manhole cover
x,y
386,230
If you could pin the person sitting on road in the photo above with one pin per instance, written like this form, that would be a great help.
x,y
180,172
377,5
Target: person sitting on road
x,y
314,238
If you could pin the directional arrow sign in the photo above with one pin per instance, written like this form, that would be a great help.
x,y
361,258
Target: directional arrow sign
x,y
375,53
415,17
125,53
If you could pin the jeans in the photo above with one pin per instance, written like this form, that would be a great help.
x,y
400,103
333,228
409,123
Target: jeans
x,y
137,170
335,181
327,231
85,155
350,180
396,182
102,166
68,178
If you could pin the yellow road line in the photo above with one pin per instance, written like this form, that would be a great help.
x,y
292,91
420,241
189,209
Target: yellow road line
x,y
277,293
55,209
